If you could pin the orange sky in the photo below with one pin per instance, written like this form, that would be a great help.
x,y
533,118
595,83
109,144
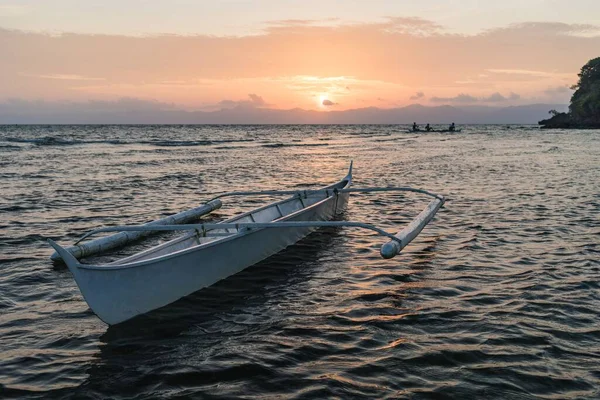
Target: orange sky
x,y
390,63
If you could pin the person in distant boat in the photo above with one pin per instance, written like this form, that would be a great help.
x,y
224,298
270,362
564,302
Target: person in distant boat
x,y
415,126
452,127
428,128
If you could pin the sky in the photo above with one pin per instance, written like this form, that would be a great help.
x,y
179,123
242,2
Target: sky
x,y
317,55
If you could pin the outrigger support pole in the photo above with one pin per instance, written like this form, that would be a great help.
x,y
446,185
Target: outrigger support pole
x,y
242,227
400,240
388,250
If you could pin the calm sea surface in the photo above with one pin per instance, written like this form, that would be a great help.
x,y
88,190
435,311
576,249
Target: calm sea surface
x,y
498,298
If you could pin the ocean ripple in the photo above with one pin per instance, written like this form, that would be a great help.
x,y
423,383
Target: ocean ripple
x,y
497,298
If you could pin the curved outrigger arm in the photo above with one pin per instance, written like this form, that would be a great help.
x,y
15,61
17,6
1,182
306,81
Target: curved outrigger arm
x,y
389,250
205,230
328,192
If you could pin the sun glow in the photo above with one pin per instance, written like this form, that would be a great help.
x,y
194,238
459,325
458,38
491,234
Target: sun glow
x,y
322,98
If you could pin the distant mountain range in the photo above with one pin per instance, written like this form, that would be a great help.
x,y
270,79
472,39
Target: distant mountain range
x,y
154,113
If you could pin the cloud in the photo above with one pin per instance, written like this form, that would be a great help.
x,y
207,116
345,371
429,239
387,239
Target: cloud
x,y
255,101
468,99
524,72
541,29
293,22
14,10
417,96
336,86
329,103
122,105
460,99
293,25
559,94
563,89
497,97
200,70
63,77
414,25
494,98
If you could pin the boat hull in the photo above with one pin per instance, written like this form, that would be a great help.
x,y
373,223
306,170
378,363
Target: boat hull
x,y
117,294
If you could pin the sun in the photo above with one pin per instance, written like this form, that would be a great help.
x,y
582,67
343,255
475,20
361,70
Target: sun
x,y
322,98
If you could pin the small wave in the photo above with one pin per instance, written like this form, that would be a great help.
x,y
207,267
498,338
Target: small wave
x,y
553,149
115,141
396,139
27,239
9,147
191,143
10,260
178,143
54,141
230,147
44,141
6,303
277,145
13,208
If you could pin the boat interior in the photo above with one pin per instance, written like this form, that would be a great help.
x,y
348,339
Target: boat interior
x,y
272,212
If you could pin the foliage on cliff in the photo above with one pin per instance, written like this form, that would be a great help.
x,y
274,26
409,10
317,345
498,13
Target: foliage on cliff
x,y
585,103
584,111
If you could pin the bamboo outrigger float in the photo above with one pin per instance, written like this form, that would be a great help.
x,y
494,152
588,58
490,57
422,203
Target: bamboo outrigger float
x,y
123,238
209,252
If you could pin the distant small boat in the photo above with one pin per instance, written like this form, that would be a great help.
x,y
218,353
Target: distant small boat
x,y
210,252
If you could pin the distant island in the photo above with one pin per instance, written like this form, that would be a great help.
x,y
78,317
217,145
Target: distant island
x,y
135,111
584,111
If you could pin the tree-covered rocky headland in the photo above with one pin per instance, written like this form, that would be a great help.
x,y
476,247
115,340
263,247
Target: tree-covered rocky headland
x,y
584,111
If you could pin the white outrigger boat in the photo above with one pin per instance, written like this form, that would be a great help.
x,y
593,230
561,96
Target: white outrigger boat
x,y
210,252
